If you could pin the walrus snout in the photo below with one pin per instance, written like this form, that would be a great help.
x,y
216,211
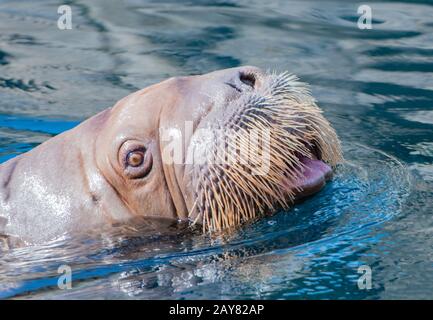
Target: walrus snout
x,y
265,147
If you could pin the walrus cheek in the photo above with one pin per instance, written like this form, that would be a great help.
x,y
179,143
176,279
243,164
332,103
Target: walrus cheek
x,y
151,199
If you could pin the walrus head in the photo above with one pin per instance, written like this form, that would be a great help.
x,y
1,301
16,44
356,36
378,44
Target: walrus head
x,y
217,149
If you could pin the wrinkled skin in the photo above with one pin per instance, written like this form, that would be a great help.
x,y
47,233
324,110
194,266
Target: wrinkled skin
x,y
77,181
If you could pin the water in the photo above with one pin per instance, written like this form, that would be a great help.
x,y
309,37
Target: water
x,y
376,87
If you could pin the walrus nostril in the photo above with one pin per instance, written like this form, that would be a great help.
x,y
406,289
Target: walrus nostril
x,y
248,78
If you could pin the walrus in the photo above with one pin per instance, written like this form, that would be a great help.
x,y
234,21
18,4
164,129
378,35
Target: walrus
x,y
139,158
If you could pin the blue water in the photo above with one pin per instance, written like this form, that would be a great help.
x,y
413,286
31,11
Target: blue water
x,y
375,86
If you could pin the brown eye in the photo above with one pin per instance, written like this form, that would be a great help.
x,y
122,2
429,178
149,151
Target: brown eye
x,y
135,158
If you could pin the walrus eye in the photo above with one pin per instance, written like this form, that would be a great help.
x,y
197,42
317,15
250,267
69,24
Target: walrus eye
x,y
135,159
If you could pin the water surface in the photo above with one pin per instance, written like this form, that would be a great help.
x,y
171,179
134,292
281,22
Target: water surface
x,y
375,86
